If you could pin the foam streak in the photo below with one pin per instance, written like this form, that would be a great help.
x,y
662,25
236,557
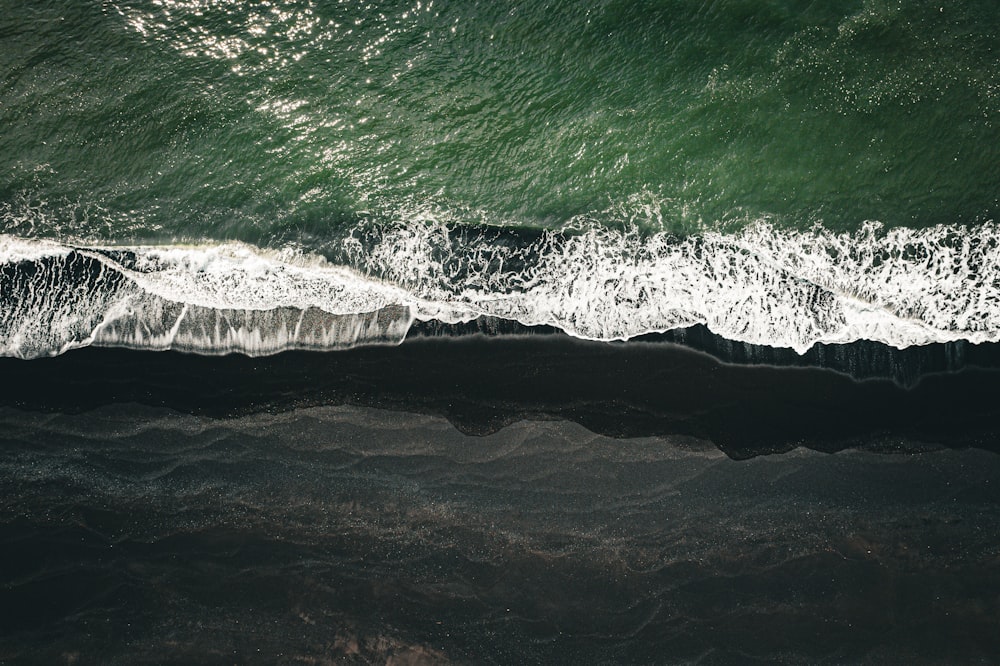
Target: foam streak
x,y
762,286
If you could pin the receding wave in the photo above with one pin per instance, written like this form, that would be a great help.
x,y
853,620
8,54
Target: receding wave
x,y
212,301
763,286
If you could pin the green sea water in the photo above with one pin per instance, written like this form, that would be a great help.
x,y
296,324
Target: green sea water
x,y
288,122
221,176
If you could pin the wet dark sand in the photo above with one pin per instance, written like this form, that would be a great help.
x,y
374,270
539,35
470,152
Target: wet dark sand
x,y
482,383
517,500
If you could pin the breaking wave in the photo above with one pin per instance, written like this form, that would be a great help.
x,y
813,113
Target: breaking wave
x,y
761,285
229,298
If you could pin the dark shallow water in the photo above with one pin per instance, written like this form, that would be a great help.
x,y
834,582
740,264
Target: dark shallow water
x,y
745,400
218,510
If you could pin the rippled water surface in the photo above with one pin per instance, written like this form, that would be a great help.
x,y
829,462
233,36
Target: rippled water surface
x,y
270,122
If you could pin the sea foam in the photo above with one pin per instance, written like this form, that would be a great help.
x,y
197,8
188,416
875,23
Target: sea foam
x,y
761,285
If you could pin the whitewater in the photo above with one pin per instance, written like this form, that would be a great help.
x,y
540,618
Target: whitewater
x,y
760,285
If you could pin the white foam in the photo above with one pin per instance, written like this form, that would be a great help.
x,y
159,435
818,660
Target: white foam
x,y
14,249
762,285
160,325
238,276
207,300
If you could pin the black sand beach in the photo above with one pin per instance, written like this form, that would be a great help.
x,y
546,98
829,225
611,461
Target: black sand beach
x,y
536,499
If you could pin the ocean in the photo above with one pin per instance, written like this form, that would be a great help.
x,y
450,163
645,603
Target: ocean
x,y
607,331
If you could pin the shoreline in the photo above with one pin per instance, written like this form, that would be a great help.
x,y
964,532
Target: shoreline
x,y
482,383
860,360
